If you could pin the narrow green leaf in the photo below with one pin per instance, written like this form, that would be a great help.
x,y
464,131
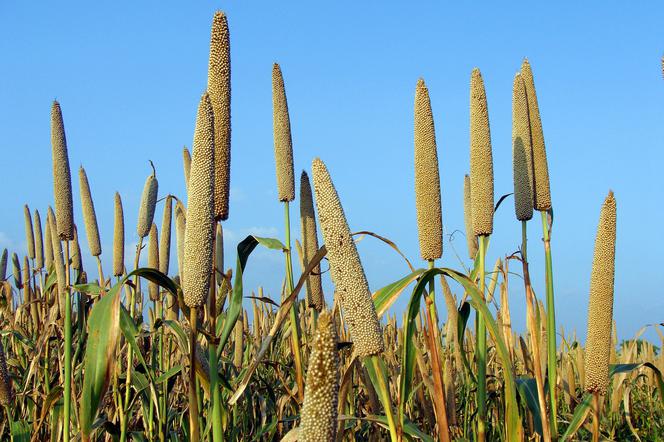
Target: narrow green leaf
x,y
580,413
384,297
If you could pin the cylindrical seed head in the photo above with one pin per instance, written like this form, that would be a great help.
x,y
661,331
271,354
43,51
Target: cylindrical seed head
x,y
165,239
3,265
6,390
16,264
118,237
148,204
153,260
471,238
481,159
522,152
321,390
180,223
186,162
542,191
427,178
29,234
48,247
199,229
76,258
64,207
600,307
58,259
310,243
26,273
39,241
89,215
219,89
283,145
345,266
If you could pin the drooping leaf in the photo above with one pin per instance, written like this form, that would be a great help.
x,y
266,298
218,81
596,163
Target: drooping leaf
x,y
384,297
580,413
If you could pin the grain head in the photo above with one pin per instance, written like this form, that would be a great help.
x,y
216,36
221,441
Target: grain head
x,y
199,229
471,238
165,239
153,260
89,215
180,223
64,207
310,243
319,411
148,204
600,307
39,241
48,247
427,178
345,267
26,273
3,265
522,152
118,237
542,192
481,159
29,233
283,145
16,265
186,162
6,390
58,258
219,89
219,252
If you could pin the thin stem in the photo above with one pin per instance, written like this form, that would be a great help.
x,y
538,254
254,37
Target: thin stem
x,y
595,406
102,281
384,393
68,345
295,333
217,434
550,325
534,331
481,350
194,430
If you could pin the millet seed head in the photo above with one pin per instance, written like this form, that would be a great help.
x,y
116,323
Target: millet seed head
x,y
283,145
89,215
186,162
48,247
522,152
345,266
153,259
600,307
26,272
427,178
16,264
29,233
165,239
39,241
3,265
481,159
471,238
64,207
75,251
219,89
6,390
199,229
58,258
118,237
541,189
219,252
180,223
310,243
148,204
319,411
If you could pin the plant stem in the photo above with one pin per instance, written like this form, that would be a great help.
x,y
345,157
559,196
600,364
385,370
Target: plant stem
x,y
481,350
217,435
384,392
295,333
68,345
534,329
550,326
194,430
595,407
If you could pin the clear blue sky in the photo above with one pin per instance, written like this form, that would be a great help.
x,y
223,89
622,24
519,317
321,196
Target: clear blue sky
x,y
129,77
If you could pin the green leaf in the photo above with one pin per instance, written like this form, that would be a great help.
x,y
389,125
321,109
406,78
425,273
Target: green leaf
x,y
625,368
580,413
169,374
103,333
20,431
383,298
464,314
528,390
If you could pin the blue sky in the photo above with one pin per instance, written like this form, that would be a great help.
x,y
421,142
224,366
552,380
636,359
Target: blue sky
x,y
129,77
